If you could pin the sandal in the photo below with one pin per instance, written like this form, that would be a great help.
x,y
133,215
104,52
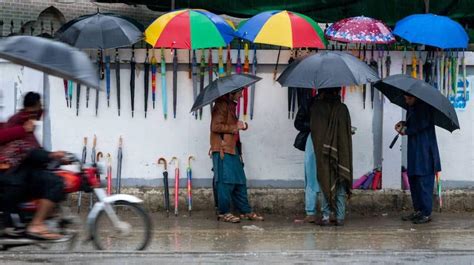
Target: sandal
x,y
252,217
43,234
228,218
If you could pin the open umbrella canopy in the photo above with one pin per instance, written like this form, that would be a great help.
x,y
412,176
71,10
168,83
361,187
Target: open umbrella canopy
x,y
283,28
222,86
189,29
100,31
433,30
360,30
395,86
327,69
51,57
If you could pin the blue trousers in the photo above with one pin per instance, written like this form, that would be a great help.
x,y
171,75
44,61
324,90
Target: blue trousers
x,y
311,188
421,189
232,193
340,207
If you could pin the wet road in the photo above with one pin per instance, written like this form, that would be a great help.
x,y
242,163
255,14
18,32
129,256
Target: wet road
x,y
201,239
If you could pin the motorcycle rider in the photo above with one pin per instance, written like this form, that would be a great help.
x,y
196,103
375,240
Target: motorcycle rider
x,y
24,176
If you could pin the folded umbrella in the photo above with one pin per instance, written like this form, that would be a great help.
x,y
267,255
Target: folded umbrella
x,y
65,92
132,81
117,78
395,86
238,70
327,69
175,81
246,70
252,88
176,184
93,161
220,63
146,79
222,86
107,78
195,70
189,174
119,166
154,62
164,97
70,91
109,174
78,96
202,70
165,185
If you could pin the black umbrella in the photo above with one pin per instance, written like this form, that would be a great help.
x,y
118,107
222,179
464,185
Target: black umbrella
x,y
395,86
132,81
117,78
327,69
165,185
222,86
51,57
100,31
146,80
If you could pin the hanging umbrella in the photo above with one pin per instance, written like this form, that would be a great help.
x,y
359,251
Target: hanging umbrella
x,y
117,78
51,57
164,97
176,184
107,78
252,88
246,70
202,70
220,63
119,166
433,30
93,161
154,62
238,70
222,86
132,81
146,79
395,86
100,31
283,28
165,185
189,29
78,96
65,82
195,71
189,174
327,69
360,30
175,81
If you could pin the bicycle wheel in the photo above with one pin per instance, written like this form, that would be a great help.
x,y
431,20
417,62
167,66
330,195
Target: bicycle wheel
x,y
138,235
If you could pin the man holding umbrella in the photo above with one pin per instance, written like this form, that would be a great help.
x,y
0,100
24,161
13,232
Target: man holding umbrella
x,y
423,157
226,156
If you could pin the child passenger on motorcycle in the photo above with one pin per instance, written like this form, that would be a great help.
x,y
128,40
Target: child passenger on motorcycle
x,y
22,170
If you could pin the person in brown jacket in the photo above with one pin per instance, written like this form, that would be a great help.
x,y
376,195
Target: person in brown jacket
x,y
229,175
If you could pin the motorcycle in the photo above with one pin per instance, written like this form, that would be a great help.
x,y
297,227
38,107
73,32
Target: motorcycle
x,y
110,224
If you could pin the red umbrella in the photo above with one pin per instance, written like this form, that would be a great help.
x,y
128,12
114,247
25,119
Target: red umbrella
x,y
360,30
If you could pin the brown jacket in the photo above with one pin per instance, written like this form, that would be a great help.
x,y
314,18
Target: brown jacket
x,y
224,130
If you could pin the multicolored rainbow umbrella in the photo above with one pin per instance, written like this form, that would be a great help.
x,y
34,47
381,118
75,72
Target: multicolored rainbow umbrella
x,y
360,30
283,28
189,29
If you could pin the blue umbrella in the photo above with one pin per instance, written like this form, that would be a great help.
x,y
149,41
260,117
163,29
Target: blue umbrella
x,y
433,30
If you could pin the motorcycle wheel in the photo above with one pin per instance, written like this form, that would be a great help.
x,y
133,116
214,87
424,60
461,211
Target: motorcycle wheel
x,y
106,237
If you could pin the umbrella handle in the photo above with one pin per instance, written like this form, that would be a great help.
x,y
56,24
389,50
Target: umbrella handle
x,y
176,164
394,141
94,142
189,160
99,156
120,141
85,141
162,160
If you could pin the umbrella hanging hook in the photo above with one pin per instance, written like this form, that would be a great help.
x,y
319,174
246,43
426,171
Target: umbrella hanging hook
x,y
189,160
176,160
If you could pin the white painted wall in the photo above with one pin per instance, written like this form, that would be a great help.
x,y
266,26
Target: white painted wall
x,y
268,144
